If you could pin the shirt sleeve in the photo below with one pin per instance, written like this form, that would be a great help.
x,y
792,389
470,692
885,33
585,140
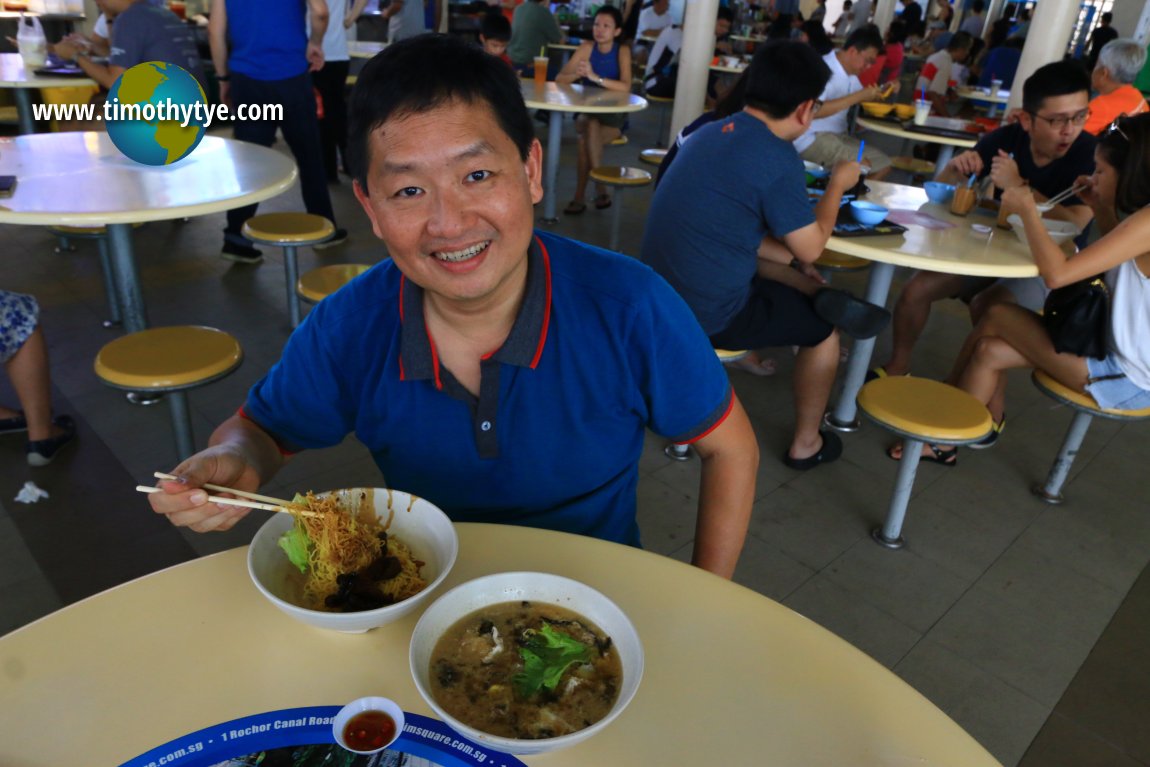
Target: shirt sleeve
x,y
684,386
128,39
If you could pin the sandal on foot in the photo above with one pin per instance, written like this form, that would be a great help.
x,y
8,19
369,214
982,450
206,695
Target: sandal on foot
x,y
13,425
830,451
602,202
575,207
937,455
990,439
42,451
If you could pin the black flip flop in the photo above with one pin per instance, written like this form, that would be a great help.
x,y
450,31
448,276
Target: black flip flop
x,y
830,451
938,455
857,318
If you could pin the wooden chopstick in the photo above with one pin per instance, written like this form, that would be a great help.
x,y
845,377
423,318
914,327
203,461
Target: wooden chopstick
x,y
233,491
241,502
1073,190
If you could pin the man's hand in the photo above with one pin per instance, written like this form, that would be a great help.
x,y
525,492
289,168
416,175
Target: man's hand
x,y
185,503
844,176
967,163
314,57
1004,172
66,49
811,271
869,93
1017,199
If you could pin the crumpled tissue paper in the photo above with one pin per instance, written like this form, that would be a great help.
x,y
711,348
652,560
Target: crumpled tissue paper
x,y
30,493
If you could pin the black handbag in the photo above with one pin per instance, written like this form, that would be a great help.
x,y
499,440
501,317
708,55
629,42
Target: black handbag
x,y
1077,317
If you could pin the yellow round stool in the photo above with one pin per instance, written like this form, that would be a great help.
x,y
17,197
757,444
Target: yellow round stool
x,y
289,231
170,360
663,105
831,261
1085,409
913,166
920,411
319,283
681,451
653,156
620,140
619,177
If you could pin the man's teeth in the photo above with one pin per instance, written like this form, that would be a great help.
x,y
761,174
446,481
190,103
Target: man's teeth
x,y
461,255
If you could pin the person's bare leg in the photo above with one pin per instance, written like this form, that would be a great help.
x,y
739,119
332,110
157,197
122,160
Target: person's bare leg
x,y
979,305
582,166
28,371
911,312
815,368
598,136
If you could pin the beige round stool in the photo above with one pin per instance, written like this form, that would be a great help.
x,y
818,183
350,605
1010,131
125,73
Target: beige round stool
x,y
920,411
663,105
682,451
830,262
319,283
1085,409
914,166
653,156
620,140
289,231
619,177
170,360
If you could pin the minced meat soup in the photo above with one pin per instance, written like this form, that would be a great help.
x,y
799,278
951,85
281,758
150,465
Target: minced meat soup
x,y
525,670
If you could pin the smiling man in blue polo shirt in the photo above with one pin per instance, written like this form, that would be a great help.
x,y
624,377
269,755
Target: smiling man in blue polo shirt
x,y
505,375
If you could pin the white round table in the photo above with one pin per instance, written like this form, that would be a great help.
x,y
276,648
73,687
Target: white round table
x,y
946,143
557,99
1001,96
82,179
22,81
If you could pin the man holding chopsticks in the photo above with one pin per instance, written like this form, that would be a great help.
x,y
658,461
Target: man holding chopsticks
x,y
1045,150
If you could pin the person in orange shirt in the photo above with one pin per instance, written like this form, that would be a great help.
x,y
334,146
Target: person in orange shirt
x,y
1118,64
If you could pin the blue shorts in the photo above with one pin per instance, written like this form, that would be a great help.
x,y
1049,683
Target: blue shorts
x,y
18,317
1115,393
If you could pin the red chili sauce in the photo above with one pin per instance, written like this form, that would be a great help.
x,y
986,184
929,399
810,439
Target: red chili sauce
x,y
368,731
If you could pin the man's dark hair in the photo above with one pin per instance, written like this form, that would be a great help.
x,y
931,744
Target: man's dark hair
x,y
1107,18
962,41
864,38
783,74
613,12
1060,78
817,37
1127,148
725,14
424,73
495,26
897,32
977,7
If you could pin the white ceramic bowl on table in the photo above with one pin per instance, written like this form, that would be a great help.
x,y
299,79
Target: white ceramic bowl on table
x,y
1060,231
420,524
543,588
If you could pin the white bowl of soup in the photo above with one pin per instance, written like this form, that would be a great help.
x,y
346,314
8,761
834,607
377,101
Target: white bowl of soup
x,y
347,585
1059,231
526,663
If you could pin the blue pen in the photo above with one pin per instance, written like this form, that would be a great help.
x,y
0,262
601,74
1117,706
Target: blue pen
x,y
862,146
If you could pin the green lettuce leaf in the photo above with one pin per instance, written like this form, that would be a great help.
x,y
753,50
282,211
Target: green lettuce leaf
x,y
297,546
546,656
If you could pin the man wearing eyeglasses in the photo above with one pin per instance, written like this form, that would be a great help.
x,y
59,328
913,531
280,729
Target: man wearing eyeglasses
x,y
1047,150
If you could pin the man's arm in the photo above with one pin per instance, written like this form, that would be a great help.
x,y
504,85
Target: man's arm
x,y
353,13
834,106
104,74
218,43
730,456
807,243
319,18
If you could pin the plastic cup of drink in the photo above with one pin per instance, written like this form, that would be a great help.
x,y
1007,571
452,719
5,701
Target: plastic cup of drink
x,y
921,111
540,71
963,201
995,87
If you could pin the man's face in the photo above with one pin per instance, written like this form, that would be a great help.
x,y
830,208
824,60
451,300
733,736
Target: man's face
x,y
855,61
1052,128
452,200
661,6
494,47
1097,77
722,27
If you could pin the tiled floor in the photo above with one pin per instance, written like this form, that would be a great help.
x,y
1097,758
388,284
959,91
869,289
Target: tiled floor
x,y
1014,617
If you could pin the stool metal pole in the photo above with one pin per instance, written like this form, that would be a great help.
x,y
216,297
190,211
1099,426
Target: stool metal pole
x,y
114,316
181,423
616,219
845,414
291,269
126,277
890,534
1051,492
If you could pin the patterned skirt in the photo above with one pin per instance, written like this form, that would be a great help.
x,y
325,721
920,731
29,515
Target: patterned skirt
x,y
19,315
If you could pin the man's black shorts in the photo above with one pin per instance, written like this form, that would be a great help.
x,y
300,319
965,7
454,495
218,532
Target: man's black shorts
x,y
775,315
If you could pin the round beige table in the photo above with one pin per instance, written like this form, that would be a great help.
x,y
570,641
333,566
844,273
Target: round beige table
x,y
557,99
726,70
731,677
1002,96
566,49
22,81
946,143
958,250
82,179
364,49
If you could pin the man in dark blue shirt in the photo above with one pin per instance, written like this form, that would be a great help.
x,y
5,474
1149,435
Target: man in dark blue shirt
x,y
504,375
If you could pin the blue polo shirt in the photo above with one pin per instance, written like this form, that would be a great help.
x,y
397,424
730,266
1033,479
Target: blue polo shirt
x,y
602,348
732,183
268,43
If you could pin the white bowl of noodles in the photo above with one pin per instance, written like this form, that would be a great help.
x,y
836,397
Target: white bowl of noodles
x,y
451,632
417,530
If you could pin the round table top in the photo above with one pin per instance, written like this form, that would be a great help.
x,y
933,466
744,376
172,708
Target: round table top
x,y
579,98
984,94
750,38
364,49
82,179
113,676
14,75
564,46
960,249
738,70
896,129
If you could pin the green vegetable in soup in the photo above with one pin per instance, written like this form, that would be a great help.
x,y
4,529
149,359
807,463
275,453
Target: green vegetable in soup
x,y
546,655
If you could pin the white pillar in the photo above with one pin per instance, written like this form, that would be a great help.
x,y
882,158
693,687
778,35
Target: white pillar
x,y
1141,30
992,14
694,62
1050,30
883,13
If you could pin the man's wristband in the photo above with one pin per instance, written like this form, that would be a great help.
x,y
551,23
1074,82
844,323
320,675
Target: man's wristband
x,y
223,78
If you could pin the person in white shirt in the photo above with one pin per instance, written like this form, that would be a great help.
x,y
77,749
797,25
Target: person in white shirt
x,y
652,21
860,15
938,72
827,141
